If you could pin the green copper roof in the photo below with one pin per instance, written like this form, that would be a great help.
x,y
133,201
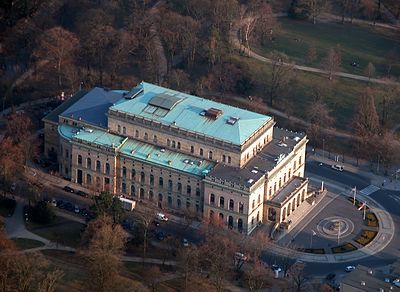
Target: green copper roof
x,y
139,150
187,112
166,158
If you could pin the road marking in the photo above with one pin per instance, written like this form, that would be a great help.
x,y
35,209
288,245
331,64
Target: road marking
x,y
369,190
396,198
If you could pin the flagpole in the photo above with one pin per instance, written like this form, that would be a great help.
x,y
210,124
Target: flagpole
x,y
365,207
354,195
338,234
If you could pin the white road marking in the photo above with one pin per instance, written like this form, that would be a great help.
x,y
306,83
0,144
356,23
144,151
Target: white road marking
x,y
369,190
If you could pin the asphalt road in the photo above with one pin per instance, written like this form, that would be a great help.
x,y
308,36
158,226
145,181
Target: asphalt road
x,y
350,179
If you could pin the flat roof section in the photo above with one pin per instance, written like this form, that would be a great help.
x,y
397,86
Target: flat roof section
x,y
188,112
284,192
265,160
166,158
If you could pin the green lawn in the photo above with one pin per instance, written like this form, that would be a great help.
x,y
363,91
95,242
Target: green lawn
x,y
63,231
341,94
25,243
357,43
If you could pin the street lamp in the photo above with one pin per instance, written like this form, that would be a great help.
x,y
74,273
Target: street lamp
x,y
323,148
313,233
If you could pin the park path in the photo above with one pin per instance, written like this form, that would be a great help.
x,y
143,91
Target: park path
x,y
234,37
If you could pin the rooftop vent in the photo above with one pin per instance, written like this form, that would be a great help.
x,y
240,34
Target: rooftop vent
x,y
186,161
281,144
162,150
250,181
148,156
297,139
254,171
132,151
133,93
213,113
169,162
232,120
203,113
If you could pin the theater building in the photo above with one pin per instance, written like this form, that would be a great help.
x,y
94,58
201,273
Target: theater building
x,y
180,152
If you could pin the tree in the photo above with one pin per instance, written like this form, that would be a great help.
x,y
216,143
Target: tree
x,y
280,75
312,55
179,80
188,259
320,118
332,62
296,273
389,98
257,276
58,46
391,58
370,70
102,244
145,219
152,277
108,204
10,161
315,8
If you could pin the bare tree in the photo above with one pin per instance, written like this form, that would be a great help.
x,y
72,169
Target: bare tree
x,y
296,273
145,219
57,45
11,161
188,259
257,276
389,98
280,76
320,118
370,70
315,8
312,55
391,58
332,62
152,276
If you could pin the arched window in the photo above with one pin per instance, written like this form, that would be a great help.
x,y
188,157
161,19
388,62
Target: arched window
x,y
258,216
179,145
201,151
179,187
187,204
298,200
241,207
160,181
240,225
210,155
221,202
89,163
275,187
231,204
223,158
179,203
198,192
168,142
141,194
88,179
221,217
280,182
284,177
151,195
79,159
229,159
119,129
211,214
294,165
137,133
133,191
189,189
124,172
142,177
300,160
212,199
254,204
98,165
170,185
155,139
303,195
146,136
173,144
107,168
191,149
151,180
230,222
123,187
160,197
133,174
124,130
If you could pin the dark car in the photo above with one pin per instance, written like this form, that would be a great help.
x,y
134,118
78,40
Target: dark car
x,y
69,189
160,235
330,276
60,204
82,194
69,207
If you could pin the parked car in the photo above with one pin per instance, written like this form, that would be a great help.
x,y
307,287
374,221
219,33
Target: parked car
x,y
396,282
60,204
54,202
185,242
350,268
162,217
76,209
69,207
82,194
69,189
337,167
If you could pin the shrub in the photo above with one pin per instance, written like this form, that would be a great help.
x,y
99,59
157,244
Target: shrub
x,y
366,237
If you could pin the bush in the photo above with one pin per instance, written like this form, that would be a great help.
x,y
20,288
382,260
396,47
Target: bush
x,y
372,220
366,237
347,247
42,213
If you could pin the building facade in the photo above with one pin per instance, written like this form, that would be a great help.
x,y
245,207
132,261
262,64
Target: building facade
x,y
180,152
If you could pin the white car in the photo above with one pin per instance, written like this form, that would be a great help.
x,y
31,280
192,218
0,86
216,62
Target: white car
x,y
162,217
337,167
350,268
396,282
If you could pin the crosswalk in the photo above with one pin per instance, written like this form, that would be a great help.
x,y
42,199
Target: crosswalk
x,y
368,190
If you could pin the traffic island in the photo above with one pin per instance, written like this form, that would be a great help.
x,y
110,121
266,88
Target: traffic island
x,y
371,220
366,237
312,250
347,247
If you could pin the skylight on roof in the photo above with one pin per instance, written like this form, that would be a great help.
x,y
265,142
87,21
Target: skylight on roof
x,y
164,100
232,120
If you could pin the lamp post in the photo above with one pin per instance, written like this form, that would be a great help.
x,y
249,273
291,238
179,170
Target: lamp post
x,y
312,235
323,148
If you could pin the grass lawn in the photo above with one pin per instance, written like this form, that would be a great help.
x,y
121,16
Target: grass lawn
x,y
361,44
366,237
62,230
347,247
7,207
25,243
341,94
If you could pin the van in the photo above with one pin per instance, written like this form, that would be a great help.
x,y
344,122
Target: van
x,y
161,216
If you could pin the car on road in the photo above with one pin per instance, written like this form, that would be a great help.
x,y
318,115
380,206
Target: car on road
x,y
396,282
161,216
185,242
337,167
82,194
348,269
68,189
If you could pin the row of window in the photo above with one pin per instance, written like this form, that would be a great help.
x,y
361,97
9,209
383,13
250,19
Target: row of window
x,y
231,204
175,144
